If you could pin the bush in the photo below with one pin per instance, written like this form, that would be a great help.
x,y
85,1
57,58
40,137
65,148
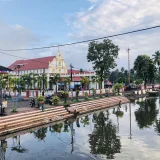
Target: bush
x,y
86,95
94,92
14,109
66,104
55,100
40,98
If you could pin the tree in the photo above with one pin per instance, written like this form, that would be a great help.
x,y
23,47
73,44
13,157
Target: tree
x,y
122,69
145,68
67,80
104,139
55,79
102,55
117,87
156,59
147,113
85,82
95,79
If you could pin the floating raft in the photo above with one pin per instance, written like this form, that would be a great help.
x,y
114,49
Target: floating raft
x,y
23,121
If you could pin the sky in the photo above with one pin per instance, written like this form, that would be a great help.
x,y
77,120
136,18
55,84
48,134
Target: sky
x,y
36,23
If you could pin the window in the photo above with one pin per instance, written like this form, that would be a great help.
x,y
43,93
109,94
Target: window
x,y
59,71
59,63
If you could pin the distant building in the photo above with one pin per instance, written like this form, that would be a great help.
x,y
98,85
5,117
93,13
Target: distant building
x,y
50,65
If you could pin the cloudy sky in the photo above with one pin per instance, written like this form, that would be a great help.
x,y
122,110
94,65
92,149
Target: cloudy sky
x,y
36,23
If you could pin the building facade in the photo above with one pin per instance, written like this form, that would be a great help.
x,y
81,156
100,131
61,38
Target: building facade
x,y
49,66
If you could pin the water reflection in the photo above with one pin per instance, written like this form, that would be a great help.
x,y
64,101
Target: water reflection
x,y
17,145
146,114
40,134
105,134
104,139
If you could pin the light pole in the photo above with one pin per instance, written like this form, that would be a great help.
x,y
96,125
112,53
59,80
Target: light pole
x,y
128,67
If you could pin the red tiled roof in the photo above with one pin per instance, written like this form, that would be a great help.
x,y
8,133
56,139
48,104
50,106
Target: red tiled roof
x,y
33,64
108,82
74,79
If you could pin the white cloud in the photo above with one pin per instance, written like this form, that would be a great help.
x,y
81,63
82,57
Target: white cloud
x,y
15,36
116,16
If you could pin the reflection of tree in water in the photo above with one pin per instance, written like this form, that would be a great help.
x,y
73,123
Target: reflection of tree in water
x,y
85,120
103,139
157,126
56,128
147,113
40,133
66,125
17,145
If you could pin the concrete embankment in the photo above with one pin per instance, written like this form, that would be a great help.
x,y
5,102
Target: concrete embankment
x,y
22,121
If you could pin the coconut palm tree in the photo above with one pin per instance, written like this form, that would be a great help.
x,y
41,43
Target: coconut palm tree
x,y
67,80
156,59
55,79
85,82
95,79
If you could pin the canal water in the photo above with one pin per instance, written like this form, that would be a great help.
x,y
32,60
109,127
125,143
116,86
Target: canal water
x,y
131,132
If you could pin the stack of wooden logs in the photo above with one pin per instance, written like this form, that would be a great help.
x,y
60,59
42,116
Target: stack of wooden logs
x,y
21,121
89,106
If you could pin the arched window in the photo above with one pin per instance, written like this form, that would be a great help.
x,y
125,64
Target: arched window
x,y
59,70
59,63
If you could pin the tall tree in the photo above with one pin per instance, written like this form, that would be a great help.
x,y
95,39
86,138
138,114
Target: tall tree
x,y
145,68
156,59
67,80
95,79
55,78
102,55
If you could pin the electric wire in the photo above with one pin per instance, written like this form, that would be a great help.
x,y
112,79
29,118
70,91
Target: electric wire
x,y
79,42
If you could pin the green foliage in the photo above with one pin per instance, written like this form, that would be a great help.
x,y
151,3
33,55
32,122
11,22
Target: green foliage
x,y
86,95
67,104
145,68
54,79
138,81
94,92
14,108
102,55
119,113
85,82
117,87
40,98
55,100
156,58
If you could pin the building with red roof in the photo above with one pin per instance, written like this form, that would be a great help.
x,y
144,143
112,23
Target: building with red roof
x,y
49,66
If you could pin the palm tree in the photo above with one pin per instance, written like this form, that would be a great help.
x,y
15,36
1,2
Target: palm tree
x,y
85,82
95,79
67,80
156,59
39,82
53,80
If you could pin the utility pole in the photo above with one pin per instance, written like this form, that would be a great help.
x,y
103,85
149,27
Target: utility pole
x,y
128,66
71,71
43,82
